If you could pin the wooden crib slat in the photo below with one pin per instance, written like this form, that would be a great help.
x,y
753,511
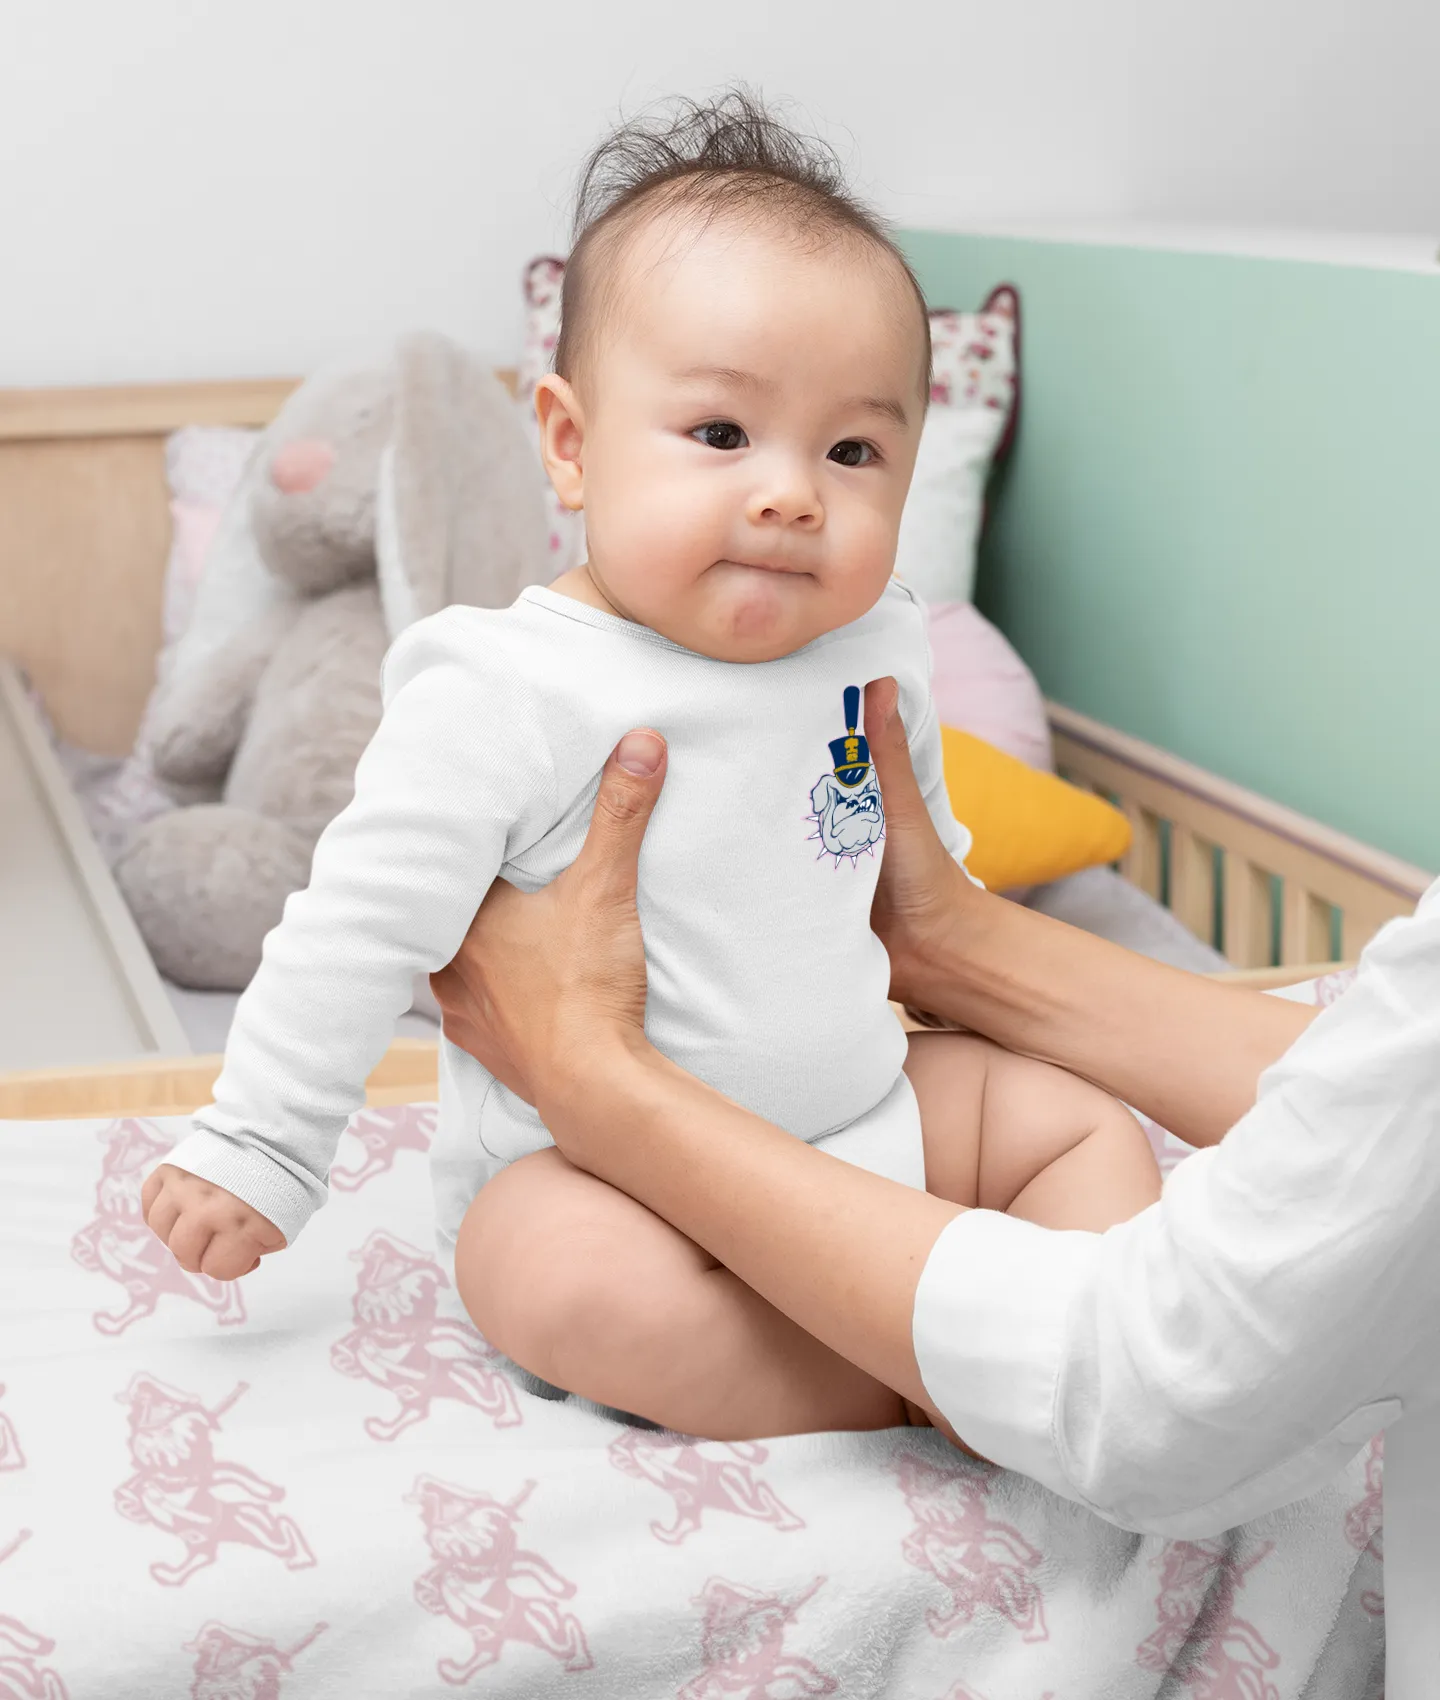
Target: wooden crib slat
x,y
1357,927
1192,882
1248,921
1141,862
1304,926
1259,838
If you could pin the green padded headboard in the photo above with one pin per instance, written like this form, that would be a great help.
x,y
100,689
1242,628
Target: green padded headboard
x,y
1220,530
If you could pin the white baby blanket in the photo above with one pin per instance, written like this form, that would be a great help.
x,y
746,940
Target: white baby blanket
x,y
317,1483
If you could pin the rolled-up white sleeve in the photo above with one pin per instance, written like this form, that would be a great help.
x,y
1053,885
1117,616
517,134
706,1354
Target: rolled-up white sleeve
x,y
1226,1351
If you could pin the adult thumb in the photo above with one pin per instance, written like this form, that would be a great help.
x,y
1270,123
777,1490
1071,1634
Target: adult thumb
x,y
629,789
890,752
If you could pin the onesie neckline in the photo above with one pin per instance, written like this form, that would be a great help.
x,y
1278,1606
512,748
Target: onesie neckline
x,y
541,596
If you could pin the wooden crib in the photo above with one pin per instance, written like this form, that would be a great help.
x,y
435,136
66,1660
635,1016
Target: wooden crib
x,y
84,528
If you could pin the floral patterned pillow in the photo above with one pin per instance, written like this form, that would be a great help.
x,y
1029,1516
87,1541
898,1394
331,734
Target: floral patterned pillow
x,y
970,426
543,278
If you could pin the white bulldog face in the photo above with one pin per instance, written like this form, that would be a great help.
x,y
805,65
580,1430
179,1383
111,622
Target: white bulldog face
x,y
849,821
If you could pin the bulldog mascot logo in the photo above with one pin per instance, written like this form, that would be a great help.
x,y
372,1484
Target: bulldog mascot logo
x,y
233,1665
984,1565
11,1457
116,1243
183,1489
487,1584
742,1641
699,1481
1222,1652
402,1343
22,1676
845,803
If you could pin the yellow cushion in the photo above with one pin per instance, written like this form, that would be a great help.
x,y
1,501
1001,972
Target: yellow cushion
x,y
1029,827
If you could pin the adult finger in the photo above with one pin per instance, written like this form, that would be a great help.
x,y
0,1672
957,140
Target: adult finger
x,y
629,789
890,752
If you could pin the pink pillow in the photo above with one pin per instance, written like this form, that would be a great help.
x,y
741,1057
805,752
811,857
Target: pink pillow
x,y
983,687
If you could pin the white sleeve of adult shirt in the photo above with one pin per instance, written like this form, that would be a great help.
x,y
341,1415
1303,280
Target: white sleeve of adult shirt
x,y
1229,1349
456,780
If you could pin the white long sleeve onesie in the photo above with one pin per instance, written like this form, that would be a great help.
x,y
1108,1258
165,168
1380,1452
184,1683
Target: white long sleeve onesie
x,y
755,885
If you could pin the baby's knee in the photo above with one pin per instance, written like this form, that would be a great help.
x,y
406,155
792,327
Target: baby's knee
x,y
528,1272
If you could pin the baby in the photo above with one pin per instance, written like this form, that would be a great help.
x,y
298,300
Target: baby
x,y
738,394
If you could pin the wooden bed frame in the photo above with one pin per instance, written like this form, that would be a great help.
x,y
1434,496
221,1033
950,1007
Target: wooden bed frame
x,y
84,531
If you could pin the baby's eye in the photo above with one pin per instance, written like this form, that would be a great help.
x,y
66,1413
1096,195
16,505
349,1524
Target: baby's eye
x,y
720,434
852,452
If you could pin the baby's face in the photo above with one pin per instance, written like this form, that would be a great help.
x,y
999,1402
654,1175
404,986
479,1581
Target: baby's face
x,y
742,437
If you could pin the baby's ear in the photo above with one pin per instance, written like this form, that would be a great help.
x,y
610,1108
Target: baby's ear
x,y
562,438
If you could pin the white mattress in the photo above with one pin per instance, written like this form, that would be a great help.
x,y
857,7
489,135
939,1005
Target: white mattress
x,y
317,1483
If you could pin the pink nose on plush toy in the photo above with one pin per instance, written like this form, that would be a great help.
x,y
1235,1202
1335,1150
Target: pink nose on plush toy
x,y
300,466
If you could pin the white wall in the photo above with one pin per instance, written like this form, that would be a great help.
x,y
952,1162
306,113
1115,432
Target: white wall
x,y
191,188
1321,114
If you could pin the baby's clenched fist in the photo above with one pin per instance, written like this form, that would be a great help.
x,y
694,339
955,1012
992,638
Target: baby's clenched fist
x,y
208,1230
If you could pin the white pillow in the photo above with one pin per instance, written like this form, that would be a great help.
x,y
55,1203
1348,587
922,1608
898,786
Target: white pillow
x,y
974,395
940,528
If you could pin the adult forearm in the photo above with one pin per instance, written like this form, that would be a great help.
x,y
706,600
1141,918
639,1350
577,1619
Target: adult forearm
x,y
1185,1050
837,1249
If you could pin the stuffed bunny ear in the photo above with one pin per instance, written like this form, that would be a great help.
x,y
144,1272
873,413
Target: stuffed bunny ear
x,y
236,587
461,515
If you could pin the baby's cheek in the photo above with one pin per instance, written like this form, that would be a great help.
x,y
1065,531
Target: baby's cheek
x,y
676,524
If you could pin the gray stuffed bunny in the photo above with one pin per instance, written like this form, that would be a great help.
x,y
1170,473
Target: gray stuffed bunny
x,y
378,495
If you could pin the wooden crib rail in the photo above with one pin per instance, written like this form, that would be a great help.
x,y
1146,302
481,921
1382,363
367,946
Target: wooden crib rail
x,y
1268,887
172,1086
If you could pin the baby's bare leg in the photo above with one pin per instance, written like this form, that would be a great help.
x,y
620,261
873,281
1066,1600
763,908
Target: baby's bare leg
x,y
581,1285
1004,1132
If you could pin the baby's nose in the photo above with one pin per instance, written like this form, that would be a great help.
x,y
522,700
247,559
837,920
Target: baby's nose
x,y
785,495
302,465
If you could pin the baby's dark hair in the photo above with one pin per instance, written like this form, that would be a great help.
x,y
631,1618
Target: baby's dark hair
x,y
722,158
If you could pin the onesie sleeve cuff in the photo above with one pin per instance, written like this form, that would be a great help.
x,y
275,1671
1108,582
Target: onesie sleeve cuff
x,y
253,1176
989,1332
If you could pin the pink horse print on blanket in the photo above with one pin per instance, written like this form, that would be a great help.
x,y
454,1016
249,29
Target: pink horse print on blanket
x,y
742,1641
383,1135
22,1676
1365,1521
963,1691
700,1481
402,1343
233,1665
180,1486
1196,1602
743,1646
116,1242
1330,988
982,1563
486,1585
11,1457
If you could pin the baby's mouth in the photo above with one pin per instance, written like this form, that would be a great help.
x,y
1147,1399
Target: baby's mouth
x,y
777,567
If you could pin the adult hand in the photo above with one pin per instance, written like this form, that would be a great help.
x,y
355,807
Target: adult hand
x,y
548,980
922,894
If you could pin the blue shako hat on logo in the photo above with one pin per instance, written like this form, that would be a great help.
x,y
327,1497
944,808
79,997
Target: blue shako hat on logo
x,y
851,754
